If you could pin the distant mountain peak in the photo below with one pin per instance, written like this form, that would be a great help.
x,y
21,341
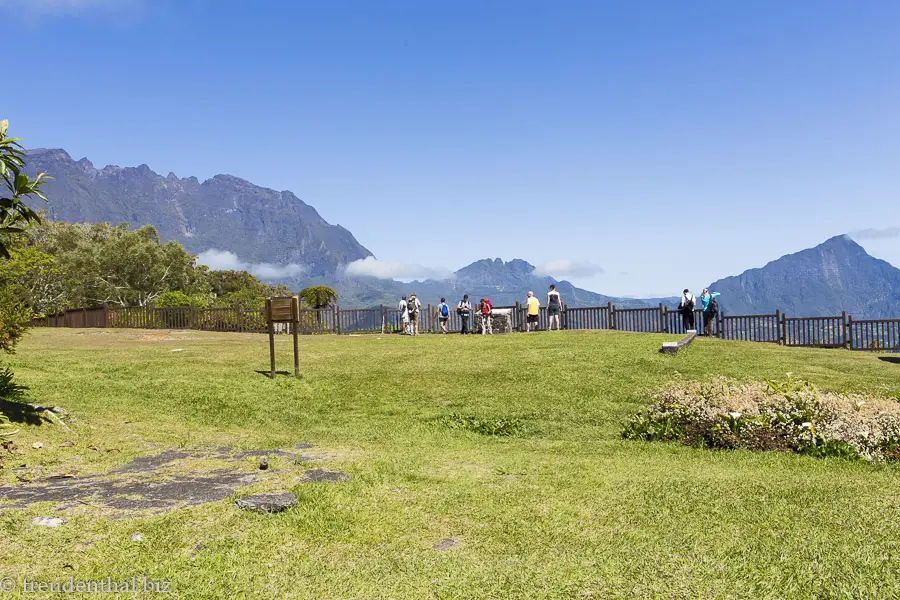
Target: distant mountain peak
x,y
837,275
225,212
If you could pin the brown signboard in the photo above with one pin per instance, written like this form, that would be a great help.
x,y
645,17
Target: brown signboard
x,y
283,309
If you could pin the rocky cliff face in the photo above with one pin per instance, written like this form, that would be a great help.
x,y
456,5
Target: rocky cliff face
x,y
837,275
225,212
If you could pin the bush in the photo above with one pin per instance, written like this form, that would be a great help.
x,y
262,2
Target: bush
x,y
790,415
14,319
496,426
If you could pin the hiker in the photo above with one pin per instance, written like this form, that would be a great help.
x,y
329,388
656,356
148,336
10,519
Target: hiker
x,y
412,308
443,315
554,308
534,312
686,308
464,310
404,315
486,308
710,310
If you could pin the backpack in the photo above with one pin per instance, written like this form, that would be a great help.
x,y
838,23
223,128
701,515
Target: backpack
x,y
486,306
713,306
412,306
445,310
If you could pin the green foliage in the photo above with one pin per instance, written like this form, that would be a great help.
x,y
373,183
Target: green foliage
x,y
102,263
177,298
318,296
10,391
17,186
493,426
14,318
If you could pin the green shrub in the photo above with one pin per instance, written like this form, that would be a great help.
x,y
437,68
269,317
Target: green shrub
x,y
495,426
790,415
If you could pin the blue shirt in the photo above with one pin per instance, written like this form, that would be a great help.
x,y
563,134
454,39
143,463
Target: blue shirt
x,y
705,298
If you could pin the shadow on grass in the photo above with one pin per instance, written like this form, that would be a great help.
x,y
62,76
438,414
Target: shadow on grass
x,y
269,373
890,359
23,414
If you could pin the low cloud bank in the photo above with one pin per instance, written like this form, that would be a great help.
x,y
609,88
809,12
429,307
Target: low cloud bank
x,y
223,260
384,269
560,269
886,233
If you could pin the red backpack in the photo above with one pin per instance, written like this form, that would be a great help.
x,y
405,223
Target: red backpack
x,y
486,306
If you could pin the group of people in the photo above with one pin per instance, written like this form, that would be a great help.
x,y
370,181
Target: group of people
x,y
688,304
410,307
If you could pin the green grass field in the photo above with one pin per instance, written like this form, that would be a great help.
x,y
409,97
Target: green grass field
x,y
565,510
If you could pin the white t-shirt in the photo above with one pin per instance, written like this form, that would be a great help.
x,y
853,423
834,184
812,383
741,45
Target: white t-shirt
x,y
687,299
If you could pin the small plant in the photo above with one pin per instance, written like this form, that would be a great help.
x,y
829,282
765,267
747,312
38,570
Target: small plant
x,y
495,426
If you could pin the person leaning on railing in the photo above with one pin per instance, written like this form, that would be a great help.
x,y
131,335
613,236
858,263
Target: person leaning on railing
x,y
710,309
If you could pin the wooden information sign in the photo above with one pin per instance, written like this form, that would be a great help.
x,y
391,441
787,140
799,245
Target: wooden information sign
x,y
285,309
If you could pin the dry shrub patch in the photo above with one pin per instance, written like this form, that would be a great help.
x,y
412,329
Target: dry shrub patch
x,y
790,415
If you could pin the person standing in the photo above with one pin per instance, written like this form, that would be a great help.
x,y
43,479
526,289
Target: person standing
x,y
710,310
464,310
486,309
443,315
686,308
404,315
554,308
533,306
413,306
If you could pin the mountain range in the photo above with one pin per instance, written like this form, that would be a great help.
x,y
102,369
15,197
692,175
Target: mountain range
x,y
260,225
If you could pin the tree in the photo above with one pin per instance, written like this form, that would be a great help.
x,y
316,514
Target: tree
x,y
15,215
318,296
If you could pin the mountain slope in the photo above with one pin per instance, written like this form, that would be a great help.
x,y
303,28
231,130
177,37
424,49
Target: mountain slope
x,y
837,275
225,212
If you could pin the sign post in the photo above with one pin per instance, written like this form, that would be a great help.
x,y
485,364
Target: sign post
x,y
283,309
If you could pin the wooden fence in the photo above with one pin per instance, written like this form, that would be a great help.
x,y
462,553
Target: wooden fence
x,y
840,331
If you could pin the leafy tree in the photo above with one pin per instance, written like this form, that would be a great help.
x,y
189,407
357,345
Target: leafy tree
x,y
35,276
15,215
103,263
318,296
177,298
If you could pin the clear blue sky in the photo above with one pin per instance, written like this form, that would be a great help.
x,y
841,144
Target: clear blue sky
x,y
670,143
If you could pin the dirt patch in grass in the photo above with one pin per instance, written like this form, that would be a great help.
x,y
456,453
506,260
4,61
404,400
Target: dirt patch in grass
x,y
158,482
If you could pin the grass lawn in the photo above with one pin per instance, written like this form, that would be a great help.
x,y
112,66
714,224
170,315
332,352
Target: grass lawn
x,y
565,510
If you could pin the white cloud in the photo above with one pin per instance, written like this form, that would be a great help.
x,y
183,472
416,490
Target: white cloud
x,y
372,267
876,234
567,268
223,260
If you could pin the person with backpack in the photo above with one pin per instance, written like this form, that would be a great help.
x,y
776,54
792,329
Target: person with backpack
x,y
404,315
686,308
486,308
443,315
710,310
554,308
412,307
533,306
464,310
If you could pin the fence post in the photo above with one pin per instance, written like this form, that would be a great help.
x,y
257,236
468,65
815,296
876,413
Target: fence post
x,y
336,315
611,315
720,325
782,329
662,327
848,332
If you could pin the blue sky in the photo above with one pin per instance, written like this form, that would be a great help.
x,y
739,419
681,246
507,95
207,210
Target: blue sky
x,y
669,144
